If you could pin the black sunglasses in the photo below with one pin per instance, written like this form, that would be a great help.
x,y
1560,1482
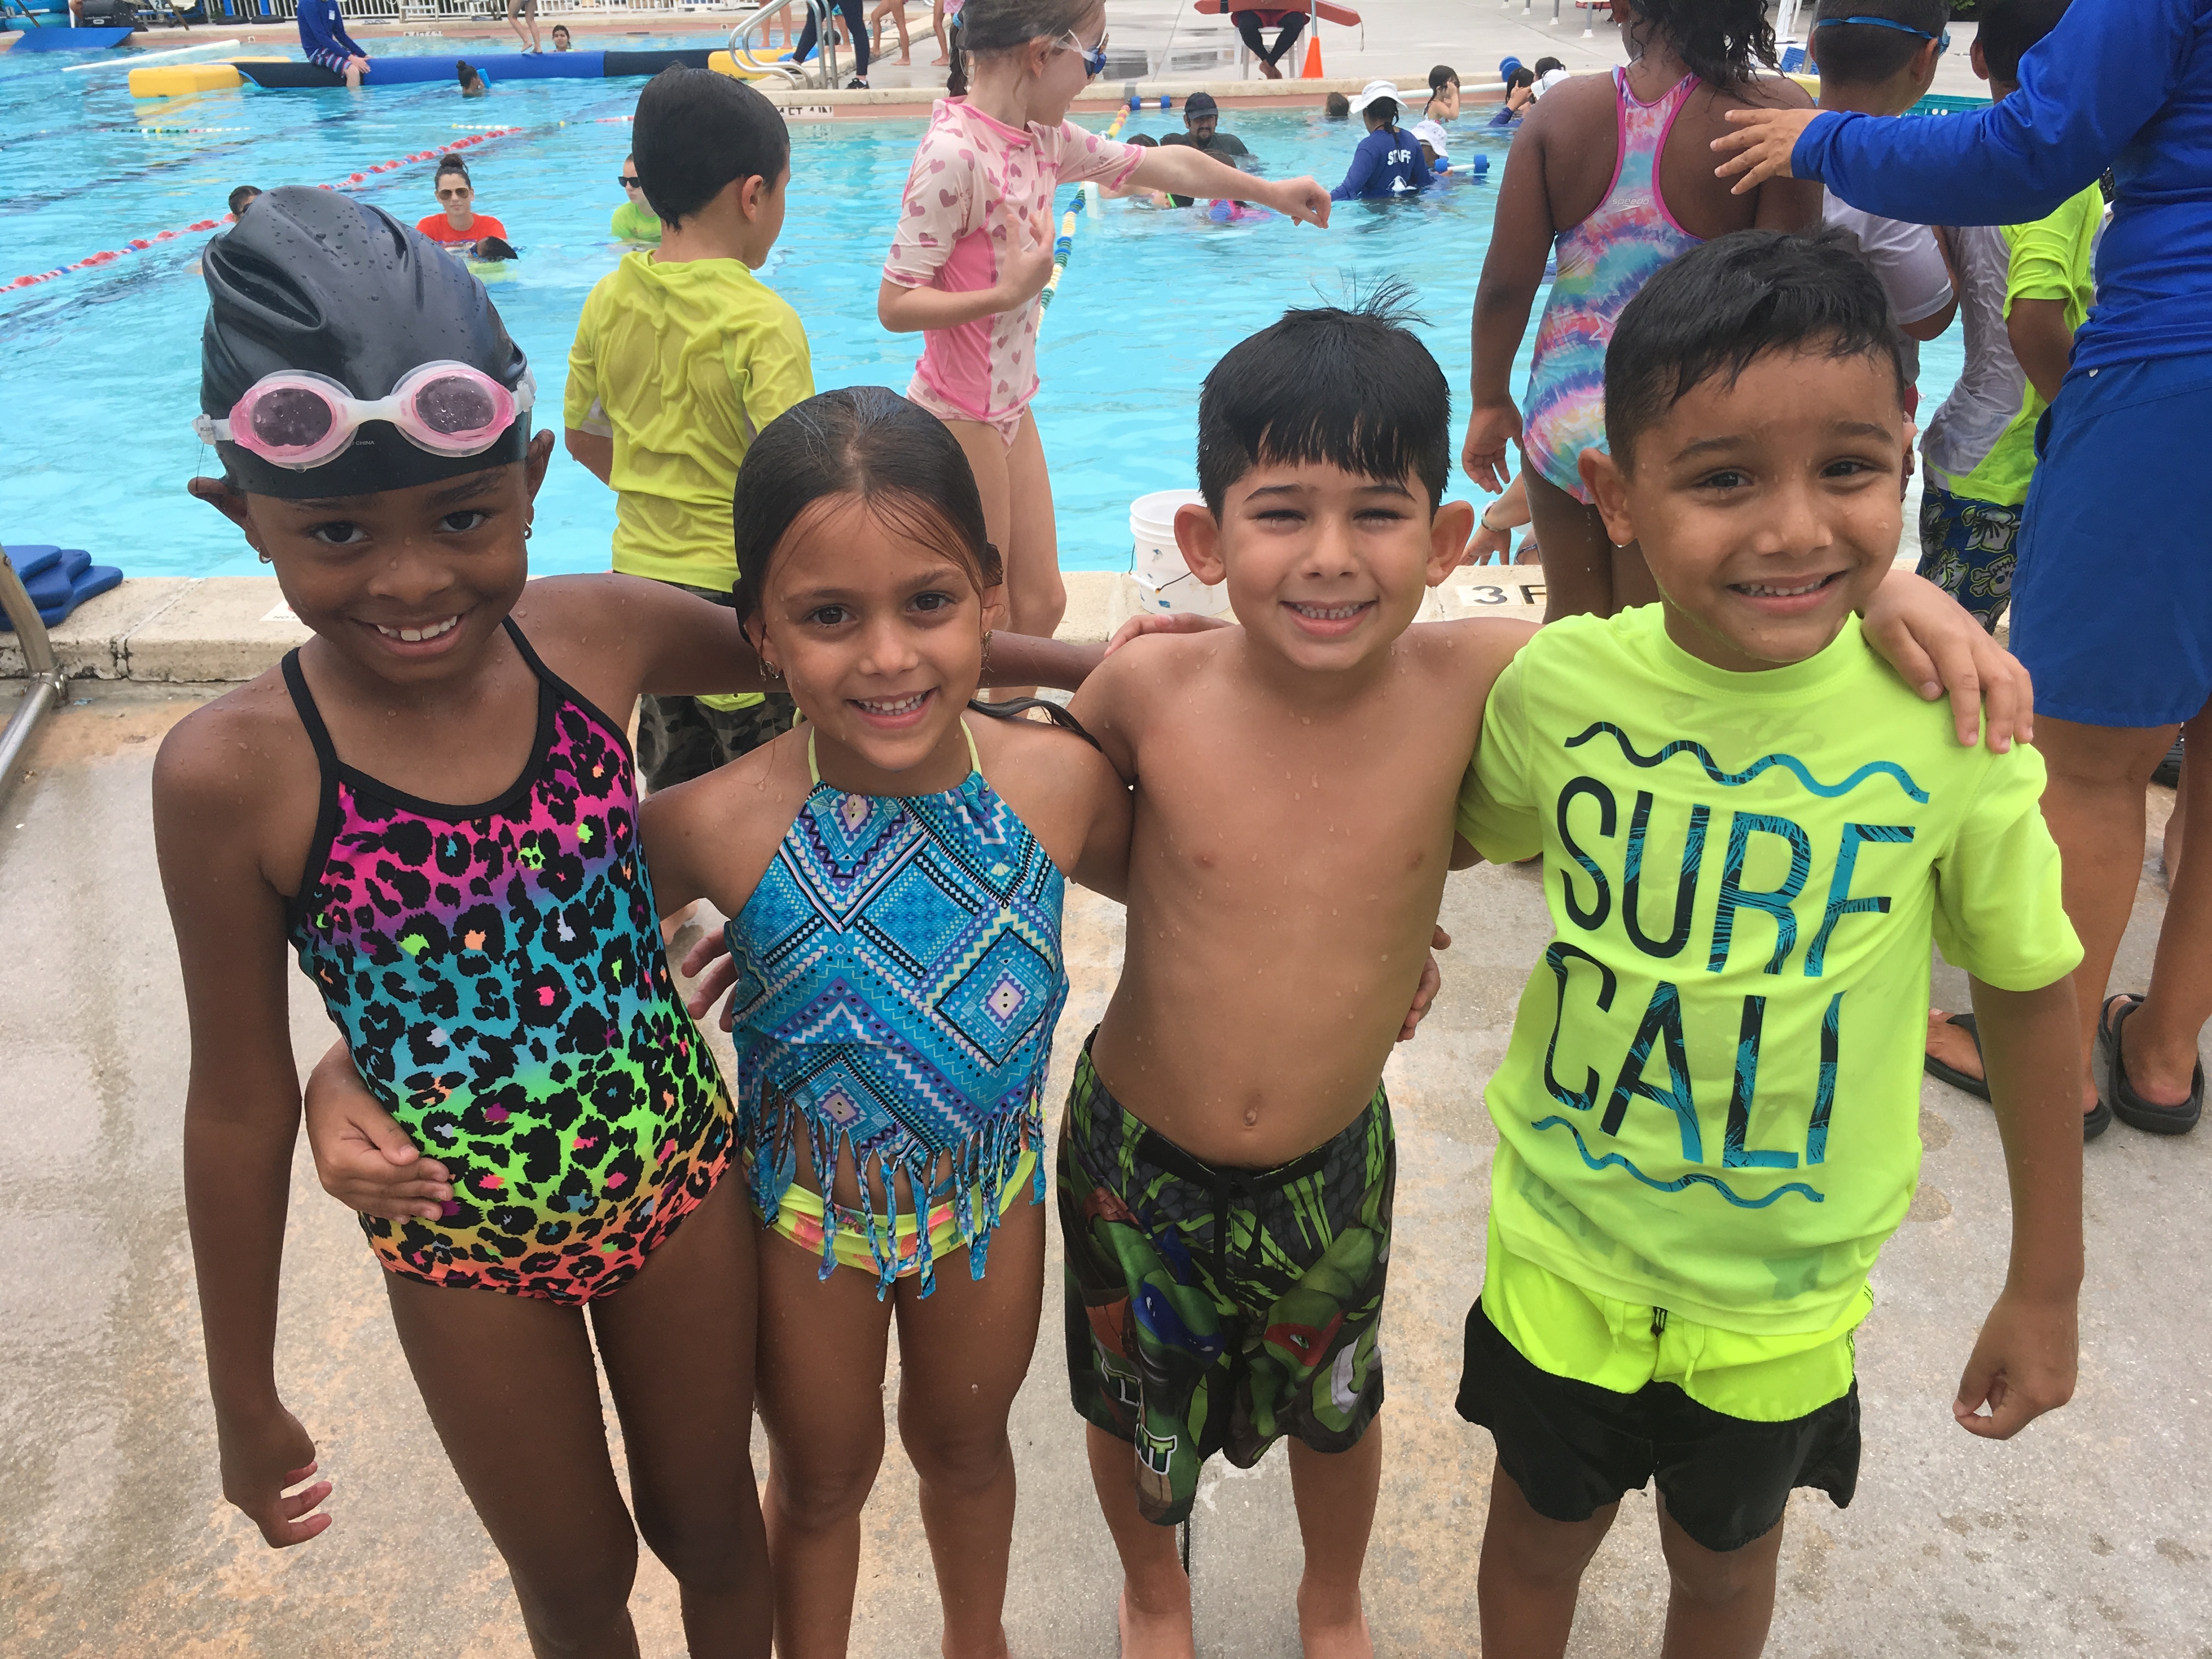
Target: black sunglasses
x,y
628,180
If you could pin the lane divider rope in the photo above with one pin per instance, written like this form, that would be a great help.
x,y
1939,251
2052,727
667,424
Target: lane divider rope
x,y
139,245
1063,246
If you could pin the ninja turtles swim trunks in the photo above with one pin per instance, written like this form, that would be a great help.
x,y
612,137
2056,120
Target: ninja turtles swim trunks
x,y
1219,1310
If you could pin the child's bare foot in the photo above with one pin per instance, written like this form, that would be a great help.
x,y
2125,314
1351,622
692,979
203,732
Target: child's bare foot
x,y
938,63
1333,1632
905,61
1159,1628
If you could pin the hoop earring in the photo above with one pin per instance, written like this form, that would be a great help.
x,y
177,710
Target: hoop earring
x,y
771,670
526,533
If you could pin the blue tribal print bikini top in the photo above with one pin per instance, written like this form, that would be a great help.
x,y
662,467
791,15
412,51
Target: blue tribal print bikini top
x,y
899,976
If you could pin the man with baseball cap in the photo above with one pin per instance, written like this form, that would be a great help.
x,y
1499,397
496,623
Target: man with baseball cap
x,y
1201,124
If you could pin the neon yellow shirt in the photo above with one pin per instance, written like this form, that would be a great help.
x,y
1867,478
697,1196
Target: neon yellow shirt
x,y
635,224
1711,1101
2049,259
681,365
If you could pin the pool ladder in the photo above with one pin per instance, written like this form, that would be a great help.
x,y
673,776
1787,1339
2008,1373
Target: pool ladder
x,y
43,689
824,72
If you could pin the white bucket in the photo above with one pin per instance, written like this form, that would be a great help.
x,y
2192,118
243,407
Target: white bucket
x,y
1156,560
1185,595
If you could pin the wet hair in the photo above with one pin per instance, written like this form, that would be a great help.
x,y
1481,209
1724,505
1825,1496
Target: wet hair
x,y
1338,106
1143,141
1866,54
1386,109
315,280
1350,388
899,461
695,132
1443,75
1546,66
241,197
465,73
1717,40
986,26
453,163
2009,30
1521,77
562,28
1724,304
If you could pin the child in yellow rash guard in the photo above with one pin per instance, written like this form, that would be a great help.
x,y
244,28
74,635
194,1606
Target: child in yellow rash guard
x,y
682,356
1751,832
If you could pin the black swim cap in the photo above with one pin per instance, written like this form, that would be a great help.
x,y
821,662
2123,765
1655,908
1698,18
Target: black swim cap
x,y
311,279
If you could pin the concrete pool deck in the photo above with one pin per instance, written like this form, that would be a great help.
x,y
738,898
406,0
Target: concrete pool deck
x,y
2090,1535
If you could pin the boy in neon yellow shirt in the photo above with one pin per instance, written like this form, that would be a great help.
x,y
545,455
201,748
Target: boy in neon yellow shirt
x,y
1752,830
681,356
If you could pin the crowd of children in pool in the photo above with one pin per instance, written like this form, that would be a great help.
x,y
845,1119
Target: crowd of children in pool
x,y
1706,1115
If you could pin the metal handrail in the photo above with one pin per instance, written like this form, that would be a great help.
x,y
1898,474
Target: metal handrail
x,y
825,42
45,691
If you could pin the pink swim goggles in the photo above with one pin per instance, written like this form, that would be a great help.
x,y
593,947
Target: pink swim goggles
x,y
300,420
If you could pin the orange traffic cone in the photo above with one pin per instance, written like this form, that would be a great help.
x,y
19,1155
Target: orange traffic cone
x,y
1312,70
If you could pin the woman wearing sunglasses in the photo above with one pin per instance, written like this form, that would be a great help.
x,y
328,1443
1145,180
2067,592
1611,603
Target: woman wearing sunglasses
x,y
973,249
634,221
459,226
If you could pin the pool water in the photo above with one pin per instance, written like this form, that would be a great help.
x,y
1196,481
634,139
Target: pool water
x,y
100,367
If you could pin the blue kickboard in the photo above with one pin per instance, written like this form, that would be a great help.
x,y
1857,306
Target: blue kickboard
x,y
58,579
46,40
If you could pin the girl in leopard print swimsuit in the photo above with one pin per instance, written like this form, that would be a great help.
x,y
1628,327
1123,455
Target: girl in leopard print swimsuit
x,y
496,968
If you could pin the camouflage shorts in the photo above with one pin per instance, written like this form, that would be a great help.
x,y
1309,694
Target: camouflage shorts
x,y
1216,1309
679,739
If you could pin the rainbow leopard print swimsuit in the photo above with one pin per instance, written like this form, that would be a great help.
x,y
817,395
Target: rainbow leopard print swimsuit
x,y
899,976
498,973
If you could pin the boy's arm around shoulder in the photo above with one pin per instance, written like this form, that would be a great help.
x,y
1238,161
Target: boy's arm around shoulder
x,y
1475,658
1119,697
213,782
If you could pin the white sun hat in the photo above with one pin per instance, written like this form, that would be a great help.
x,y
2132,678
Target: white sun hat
x,y
1374,92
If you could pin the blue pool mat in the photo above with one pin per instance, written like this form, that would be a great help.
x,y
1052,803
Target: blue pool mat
x,y
51,40
58,579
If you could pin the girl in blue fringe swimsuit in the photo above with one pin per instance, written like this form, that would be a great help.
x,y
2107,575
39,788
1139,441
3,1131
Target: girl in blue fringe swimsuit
x,y
894,869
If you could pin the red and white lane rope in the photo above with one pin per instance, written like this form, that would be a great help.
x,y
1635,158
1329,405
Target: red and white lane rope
x,y
139,245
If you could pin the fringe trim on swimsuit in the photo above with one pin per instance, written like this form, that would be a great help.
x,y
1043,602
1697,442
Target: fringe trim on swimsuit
x,y
977,1185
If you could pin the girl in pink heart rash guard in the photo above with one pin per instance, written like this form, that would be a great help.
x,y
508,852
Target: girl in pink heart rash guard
x,y
973,249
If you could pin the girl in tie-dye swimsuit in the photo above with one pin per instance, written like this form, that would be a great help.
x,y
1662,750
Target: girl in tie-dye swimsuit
x,y
1584,181
496,968
894,871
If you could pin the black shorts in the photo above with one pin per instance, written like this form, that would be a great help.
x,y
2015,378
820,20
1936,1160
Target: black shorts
x,y
1573,1448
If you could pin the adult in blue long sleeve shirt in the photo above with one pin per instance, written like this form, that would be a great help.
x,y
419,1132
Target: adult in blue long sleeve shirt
x,y
1388,161
323,38
2112,603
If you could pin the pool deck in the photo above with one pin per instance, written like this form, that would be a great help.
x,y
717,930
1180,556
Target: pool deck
x,y
2089,1535
1399,40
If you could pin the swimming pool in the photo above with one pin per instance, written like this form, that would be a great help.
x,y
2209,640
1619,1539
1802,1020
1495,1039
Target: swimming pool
x,y
100,368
